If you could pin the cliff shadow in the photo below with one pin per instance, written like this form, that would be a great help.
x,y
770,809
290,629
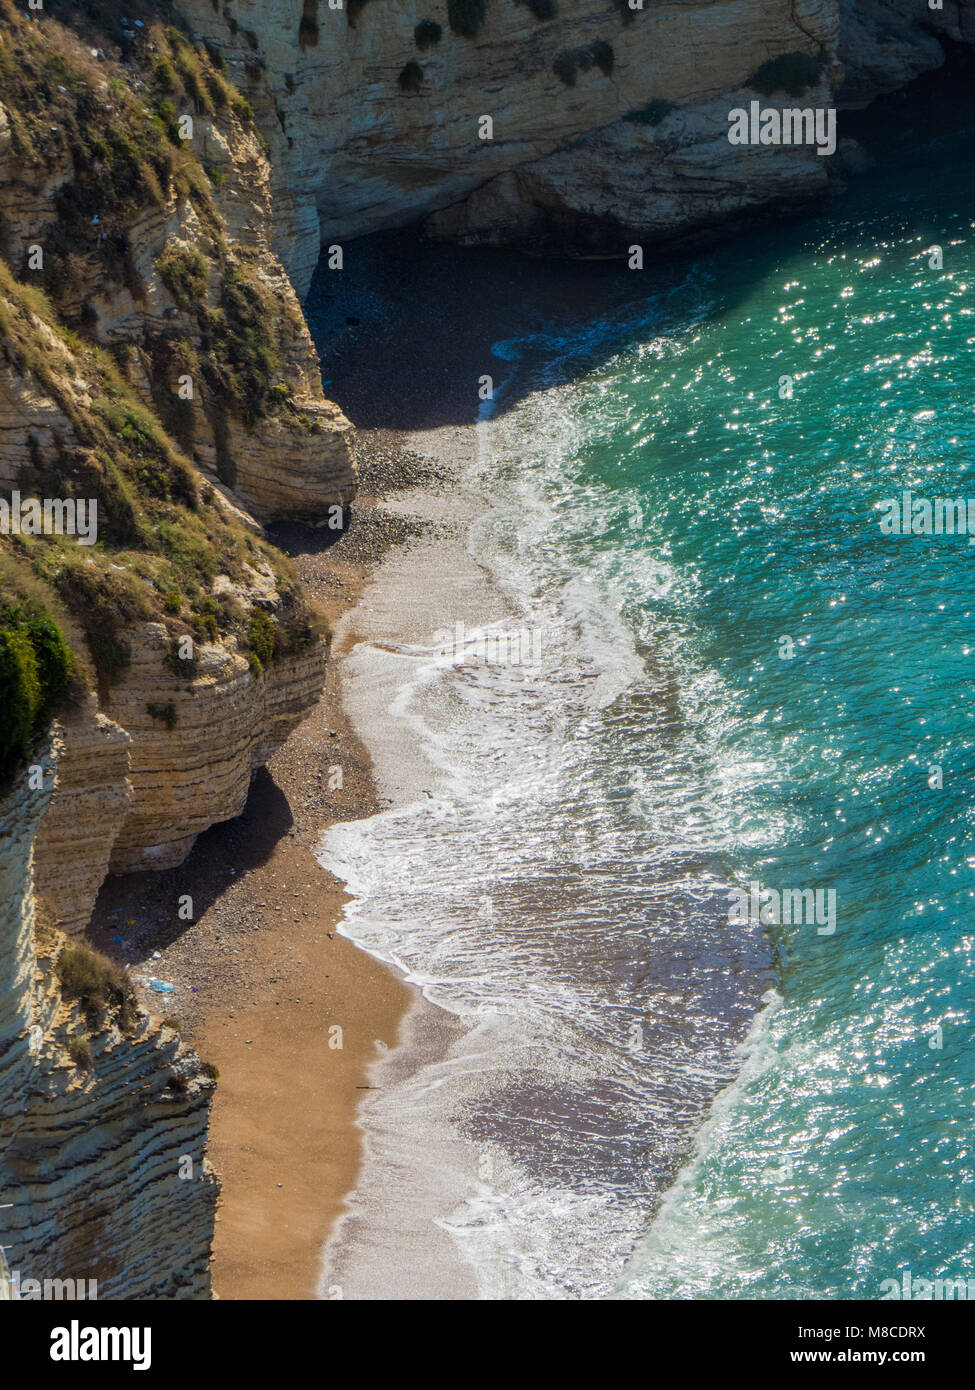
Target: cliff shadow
x,y
138,913
406,329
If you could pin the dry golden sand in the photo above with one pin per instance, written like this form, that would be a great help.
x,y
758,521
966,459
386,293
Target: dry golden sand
x,y
283,1135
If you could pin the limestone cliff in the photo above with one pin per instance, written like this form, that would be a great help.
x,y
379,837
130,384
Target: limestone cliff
x,y
361,140
178,652
886,44
158,246
168,626
103,1112
134,261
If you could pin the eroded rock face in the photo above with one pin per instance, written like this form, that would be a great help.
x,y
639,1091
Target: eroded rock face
x,y
636,184
169,749
135,790
353,153
886,44
102,1162
293,461
194,771
81,824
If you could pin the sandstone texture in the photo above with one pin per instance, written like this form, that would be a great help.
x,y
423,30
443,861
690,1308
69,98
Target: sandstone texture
x,y
292,462
353,153
102,1163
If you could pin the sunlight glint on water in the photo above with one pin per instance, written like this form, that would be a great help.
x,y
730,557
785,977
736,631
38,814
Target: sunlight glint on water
x,y
667,519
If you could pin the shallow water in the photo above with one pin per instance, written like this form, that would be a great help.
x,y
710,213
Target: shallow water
x,y
741,679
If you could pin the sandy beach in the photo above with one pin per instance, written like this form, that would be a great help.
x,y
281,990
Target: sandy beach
x,y
263,976
262,979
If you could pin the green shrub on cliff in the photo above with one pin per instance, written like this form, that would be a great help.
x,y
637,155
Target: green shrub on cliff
x,y
79,1050
427,33
652,114
411,77
239,350
184,273
565,67
260,638
35,676
791,73
166,714
466,17
164,74
603,56
574,60
353,9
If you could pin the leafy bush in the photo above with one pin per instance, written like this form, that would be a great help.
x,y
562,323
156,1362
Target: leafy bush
x,y
564,68
184,273
791,73
411,77
574,60
260,637
466,17
603,56
35,675
20,696
210,1070
166,713
427,33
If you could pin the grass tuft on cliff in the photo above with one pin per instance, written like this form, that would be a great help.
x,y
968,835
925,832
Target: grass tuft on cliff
x,y
97,983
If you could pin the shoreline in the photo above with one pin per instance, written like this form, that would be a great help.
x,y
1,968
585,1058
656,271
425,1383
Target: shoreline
x,y
263,975
390,1242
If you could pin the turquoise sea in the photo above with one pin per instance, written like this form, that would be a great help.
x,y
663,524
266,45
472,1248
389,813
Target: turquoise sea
x,y
749,681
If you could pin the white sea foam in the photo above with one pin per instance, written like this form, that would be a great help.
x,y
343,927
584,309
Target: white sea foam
x,y
556,889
